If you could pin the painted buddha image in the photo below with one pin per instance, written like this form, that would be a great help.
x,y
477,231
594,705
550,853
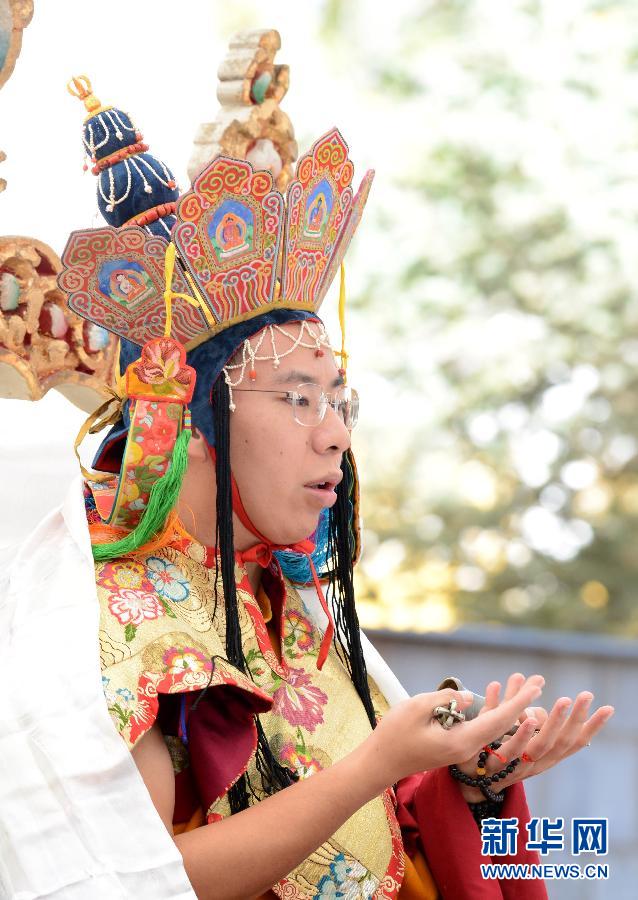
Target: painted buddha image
x,y
231,235
126,286
317,215
124,281
318,210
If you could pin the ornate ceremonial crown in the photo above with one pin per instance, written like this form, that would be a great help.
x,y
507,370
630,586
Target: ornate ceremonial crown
x,y
243,251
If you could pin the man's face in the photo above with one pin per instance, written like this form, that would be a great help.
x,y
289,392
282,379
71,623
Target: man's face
x,y
277,462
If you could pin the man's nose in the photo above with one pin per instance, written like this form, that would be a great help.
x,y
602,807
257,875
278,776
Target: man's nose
x,y
331,433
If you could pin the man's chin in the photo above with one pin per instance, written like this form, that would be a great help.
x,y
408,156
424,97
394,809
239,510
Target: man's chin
x,y
288,538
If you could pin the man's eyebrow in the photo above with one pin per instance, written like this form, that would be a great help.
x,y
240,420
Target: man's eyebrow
x,y
297,377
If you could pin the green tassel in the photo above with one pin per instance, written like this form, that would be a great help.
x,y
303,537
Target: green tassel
x,y
161,501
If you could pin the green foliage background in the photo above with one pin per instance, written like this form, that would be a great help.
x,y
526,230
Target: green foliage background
x,y
501,313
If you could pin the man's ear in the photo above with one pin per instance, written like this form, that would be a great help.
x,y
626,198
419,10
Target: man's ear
x,y
197,449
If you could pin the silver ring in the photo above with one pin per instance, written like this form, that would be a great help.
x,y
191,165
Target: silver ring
x,y
449,715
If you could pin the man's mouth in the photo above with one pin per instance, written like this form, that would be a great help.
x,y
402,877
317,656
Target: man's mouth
x,y
327,484
324,489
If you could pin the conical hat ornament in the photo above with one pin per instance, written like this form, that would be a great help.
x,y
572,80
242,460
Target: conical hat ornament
x,y
133,186
221,268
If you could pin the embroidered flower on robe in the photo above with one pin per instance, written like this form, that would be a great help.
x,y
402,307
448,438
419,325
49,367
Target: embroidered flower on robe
x,y
327,889
347,879
299,759
297,630
167,579
299,701
127,574
178,660
303,758
120,704
133,607
125,694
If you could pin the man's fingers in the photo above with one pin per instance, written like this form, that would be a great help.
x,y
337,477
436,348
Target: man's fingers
x,y
591,728
593,725
544,740
495,722
492,696
574,722
515,745
514,683
535,712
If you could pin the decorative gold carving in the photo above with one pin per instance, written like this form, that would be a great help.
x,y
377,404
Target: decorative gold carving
x,y
250,124
15,15
42,343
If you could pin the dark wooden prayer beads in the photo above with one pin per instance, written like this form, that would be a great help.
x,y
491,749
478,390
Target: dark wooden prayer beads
x,y
483,781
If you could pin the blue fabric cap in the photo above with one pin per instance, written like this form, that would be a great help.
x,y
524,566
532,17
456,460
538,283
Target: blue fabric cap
x,y
208,360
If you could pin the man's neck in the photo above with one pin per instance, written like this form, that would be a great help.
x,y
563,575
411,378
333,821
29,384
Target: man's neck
x,y
196,510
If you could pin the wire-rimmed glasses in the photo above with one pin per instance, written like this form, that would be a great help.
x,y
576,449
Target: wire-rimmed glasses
x,y
309,403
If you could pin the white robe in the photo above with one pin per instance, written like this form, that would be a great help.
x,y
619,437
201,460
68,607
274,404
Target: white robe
x,y
76,820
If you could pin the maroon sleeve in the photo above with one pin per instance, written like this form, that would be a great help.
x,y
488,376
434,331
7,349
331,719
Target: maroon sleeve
x,y
220,733
435,818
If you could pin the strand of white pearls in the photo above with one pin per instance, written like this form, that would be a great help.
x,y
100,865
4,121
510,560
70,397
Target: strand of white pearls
x,y
312,335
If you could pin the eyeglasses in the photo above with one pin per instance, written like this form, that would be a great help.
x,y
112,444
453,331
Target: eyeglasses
x,y
309,403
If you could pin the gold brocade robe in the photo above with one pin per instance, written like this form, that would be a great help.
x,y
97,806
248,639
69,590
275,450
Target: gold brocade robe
x,y
161,633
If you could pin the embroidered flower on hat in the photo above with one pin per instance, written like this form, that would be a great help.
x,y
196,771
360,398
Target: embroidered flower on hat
x,y
161,362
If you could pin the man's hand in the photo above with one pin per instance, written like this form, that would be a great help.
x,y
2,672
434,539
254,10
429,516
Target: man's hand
x,y
542,739
408,739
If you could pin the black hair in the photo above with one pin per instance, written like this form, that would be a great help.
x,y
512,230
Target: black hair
x,y
341,587
274,776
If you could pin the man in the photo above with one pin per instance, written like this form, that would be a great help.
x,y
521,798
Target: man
x,y
228,688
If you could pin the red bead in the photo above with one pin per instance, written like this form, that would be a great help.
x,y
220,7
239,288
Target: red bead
x,y
252,375
171,184
319,352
